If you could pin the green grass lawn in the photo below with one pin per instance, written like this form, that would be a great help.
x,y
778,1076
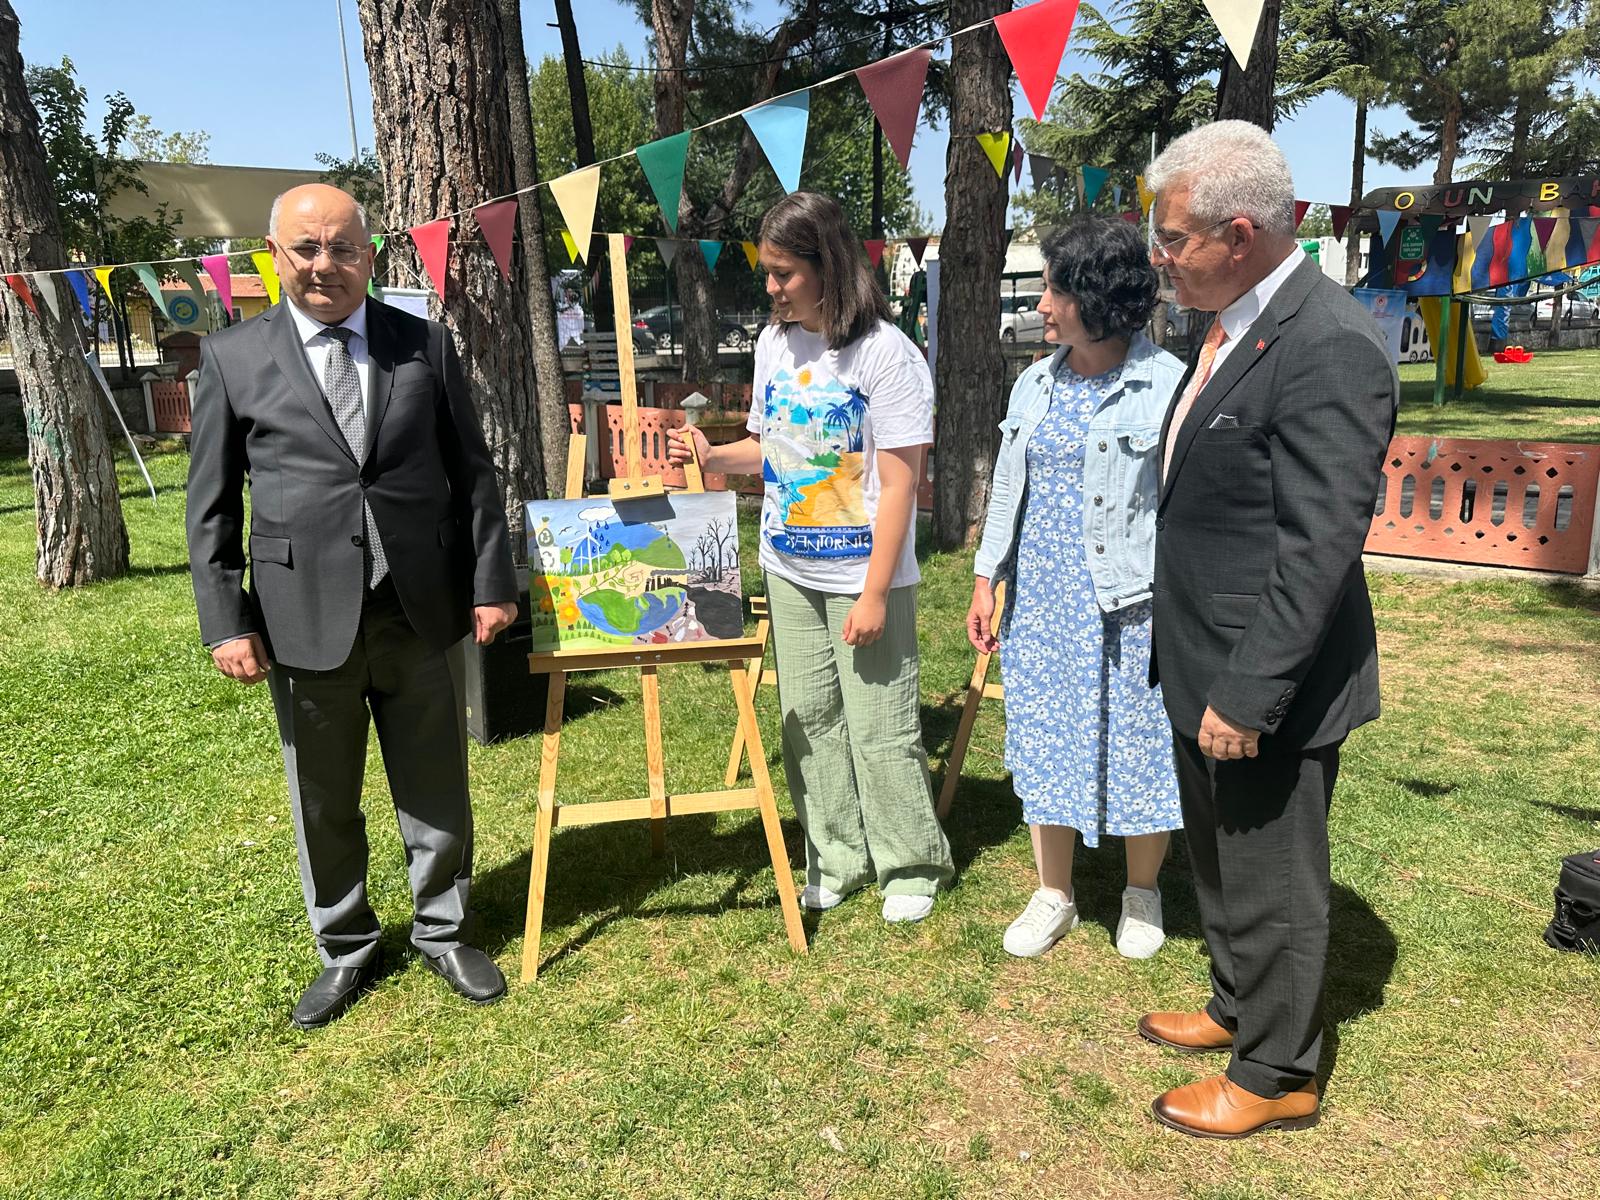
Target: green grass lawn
x,y
1554,398
673,1046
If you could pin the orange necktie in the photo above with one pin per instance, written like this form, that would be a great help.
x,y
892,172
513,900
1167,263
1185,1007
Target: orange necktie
x,y
1202,373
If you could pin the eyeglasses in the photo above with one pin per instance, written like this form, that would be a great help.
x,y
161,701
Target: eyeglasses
x,y
1162,248
342,254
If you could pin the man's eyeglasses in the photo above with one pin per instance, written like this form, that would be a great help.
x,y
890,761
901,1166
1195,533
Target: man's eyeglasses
x,y
1164,247
342,254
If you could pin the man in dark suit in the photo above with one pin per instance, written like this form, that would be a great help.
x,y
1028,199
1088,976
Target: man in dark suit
x,y
1264,641
377,543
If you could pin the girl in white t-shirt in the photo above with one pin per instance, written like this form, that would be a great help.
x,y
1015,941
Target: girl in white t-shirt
x,y
841,417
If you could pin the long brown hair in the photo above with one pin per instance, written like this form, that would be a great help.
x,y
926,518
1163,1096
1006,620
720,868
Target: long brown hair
x,y
812,226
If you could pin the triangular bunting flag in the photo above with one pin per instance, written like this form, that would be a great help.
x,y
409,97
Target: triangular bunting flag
x,y
1477,225
663,168
498,222
997,146
191,278
575,194
1094,180
377,249
1301,207
432,240
45,288
216,266
627,243
1036,37
1544,227
1588,230
1388,221
711,251
1237,21
918,246
1429,222
779,127
147,276
667,249
1041,168
80,288
268,273
19,285
1016,162
874,251
1146,196
572,246
894,88
1116,196
751,254
103,274
1340,215
1131,217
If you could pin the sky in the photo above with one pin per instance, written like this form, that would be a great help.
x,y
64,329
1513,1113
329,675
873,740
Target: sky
x,y
270,92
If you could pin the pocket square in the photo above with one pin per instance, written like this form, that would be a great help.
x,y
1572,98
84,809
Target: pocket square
x,y
1224,421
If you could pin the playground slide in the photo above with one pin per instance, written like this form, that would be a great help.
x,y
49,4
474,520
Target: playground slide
x,y
1473,368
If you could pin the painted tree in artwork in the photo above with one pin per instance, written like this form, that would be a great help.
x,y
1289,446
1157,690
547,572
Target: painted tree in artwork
x,y
77,510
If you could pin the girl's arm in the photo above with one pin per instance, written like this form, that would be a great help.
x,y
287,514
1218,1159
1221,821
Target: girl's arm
x,y
736,458
897,478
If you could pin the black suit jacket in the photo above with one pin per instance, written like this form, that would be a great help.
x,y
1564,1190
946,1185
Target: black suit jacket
x,y
258,412
1261,606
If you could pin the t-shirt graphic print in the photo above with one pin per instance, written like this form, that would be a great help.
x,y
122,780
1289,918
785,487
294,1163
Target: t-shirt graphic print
x,y
814,434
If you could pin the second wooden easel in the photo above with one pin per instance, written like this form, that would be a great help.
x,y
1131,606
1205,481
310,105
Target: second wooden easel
x,y
738,653
978,690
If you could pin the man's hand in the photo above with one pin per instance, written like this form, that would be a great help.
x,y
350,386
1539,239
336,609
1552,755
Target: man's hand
x,y
1220,738
489,619
243,658
864,623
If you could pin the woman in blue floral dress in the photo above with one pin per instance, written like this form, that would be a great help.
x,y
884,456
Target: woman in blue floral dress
x,y
1071,531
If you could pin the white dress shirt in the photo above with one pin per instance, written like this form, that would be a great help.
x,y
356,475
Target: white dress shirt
x,y
316,343
1242,313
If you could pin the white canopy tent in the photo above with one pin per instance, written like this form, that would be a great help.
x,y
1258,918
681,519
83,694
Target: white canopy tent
x,y
215,201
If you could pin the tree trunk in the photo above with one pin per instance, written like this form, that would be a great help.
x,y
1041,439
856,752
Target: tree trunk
x,y
549,380
1449,140
971,376
577,84
76,506
442,122
1251,95
1358,178
1521,129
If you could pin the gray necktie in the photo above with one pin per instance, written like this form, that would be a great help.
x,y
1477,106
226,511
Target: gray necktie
x,y
343,386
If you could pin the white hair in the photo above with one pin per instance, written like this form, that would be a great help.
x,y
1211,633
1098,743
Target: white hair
x,y
1232,169
277,204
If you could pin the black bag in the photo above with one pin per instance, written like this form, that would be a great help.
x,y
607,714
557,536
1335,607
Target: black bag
x,y
1577,921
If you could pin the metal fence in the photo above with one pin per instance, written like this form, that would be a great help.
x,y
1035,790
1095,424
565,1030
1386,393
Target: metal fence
x,y
146,329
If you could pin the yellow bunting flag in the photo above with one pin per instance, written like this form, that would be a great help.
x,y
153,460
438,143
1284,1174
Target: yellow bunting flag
x,y
750,253
103,274
572,246
1146,196
269,273
998,147
575,195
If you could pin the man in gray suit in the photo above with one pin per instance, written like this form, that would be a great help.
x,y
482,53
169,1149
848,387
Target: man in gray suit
x,y
377,543
1264,641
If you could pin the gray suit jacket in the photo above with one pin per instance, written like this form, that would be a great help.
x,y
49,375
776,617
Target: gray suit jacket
x,y
1261,606
258,412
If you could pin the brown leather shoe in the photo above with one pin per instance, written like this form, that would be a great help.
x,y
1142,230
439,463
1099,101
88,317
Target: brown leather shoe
x,y
1219,1108
1191,1032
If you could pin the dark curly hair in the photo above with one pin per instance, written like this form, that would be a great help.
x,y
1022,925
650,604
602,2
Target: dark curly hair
x,y
1102,264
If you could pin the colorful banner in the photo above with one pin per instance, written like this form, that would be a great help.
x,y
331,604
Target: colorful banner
x,y
498,222
268,273
779,127
80,288
1237,21
751,254
894,90
19,285
874,248
575,195
1146,196
147,276
996,146
45,288
1094,180
1036,37
663,163
1301,207
1388,222
711,251
667,249
572,246
1041,169
1340,215
432,240
216,266
918,246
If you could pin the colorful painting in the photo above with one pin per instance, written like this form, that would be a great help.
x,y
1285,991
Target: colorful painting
x,y
643,572
813,430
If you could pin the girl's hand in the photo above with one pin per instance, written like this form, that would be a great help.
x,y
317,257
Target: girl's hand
x,y
686,443
863,625
980,618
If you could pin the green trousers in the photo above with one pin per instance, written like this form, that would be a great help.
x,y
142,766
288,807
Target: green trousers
x,y
852,744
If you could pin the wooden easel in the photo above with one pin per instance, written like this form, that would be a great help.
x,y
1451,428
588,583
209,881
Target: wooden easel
x,y
978,690
742,656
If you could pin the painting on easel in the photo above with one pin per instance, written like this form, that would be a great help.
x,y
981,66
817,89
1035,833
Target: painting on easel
x,y
652,571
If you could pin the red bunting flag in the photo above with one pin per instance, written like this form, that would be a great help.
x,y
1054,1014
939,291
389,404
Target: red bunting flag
x,y
1300,208
1131,216
1544,227
498,222
918,245
894,88
1341,217
1036,37
1016,160
874,251
19,285
433,245
627,242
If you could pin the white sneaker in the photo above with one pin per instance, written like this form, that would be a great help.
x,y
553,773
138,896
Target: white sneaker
x,y
818,898
1140,931
906,908
1041,924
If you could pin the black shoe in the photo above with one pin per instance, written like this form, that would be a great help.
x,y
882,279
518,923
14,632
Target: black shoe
x,y
333,992
471,973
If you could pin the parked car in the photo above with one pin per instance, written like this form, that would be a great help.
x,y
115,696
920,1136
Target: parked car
x,y
1575,310
1020,319
644,341
667,332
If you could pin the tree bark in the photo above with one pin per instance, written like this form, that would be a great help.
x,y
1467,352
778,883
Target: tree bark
x,y
1358,182
441,117
1251,95
550,382
77,510
971,376
577,84
1449,140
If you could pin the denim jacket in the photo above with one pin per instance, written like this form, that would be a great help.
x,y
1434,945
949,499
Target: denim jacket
x,y
1121,473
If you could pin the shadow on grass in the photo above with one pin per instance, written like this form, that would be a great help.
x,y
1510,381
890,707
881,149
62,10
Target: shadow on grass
x,y
1426,788
1361,957
1576,812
